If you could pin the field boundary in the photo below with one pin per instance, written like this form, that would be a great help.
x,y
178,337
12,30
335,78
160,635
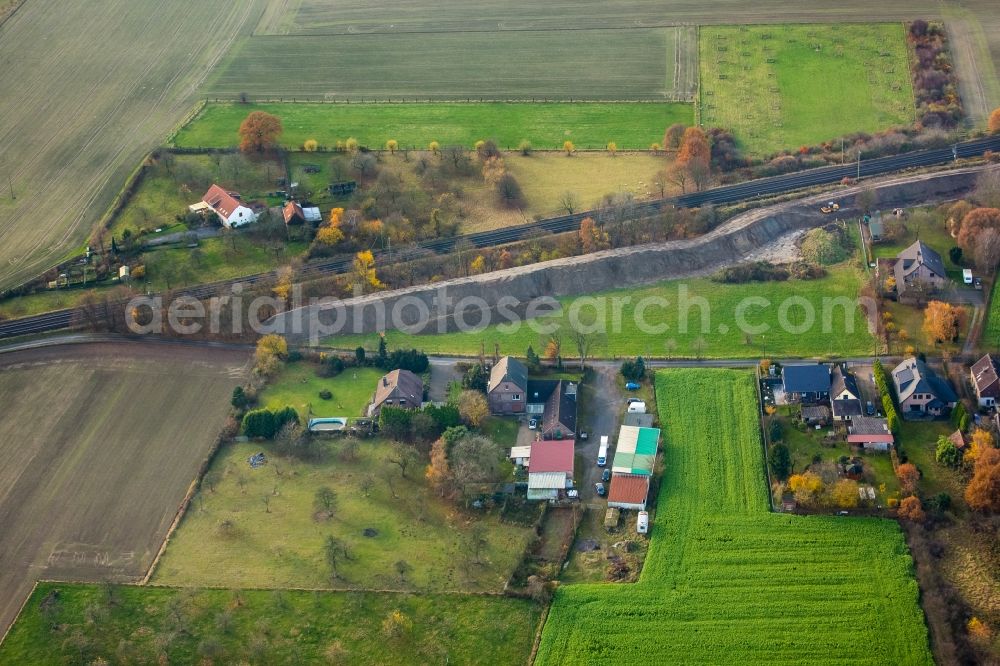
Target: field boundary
x,y
20,610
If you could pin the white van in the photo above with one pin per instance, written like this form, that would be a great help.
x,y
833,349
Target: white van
x,y
967,276
602,453
642,522
638,407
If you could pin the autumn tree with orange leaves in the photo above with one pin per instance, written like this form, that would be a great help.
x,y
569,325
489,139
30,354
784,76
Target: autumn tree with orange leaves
x,y
695,155
259,132
909,477
911,509
364,270
975,222
942,321
983,491
993,125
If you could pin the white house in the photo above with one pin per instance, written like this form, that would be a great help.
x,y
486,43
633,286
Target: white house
x,y
230,211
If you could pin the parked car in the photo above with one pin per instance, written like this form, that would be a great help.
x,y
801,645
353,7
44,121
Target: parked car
x,y
631,400
606,475
870,408
532,424
632,386
601,490
584,435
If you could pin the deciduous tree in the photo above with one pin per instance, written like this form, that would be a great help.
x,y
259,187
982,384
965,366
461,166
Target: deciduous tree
x,y
259,132
364,270
392,146
993,124
473,407
973,224
271,350
911,509
983,491
310,145
845,493
673,136
909,477
942,321
439,471
806,487
568,147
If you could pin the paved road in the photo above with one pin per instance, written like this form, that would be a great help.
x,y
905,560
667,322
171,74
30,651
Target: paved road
x,y
762,187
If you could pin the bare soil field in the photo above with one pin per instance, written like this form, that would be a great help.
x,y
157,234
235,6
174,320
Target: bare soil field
x,y
100,443
89,88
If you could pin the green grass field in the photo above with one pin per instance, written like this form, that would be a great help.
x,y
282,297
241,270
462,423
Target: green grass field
x,y
267,627
848,334
454,65
727,582
280,545
545,125
299,386
783,86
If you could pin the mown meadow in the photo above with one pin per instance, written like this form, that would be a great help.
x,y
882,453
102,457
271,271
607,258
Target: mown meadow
x,y
726,581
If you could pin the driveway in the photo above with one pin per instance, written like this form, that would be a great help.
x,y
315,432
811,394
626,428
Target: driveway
x,y
601,406
443,373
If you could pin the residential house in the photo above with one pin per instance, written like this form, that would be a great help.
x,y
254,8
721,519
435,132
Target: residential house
x,y
870,432
806,382
550,469
226,206
559,417
845,398
508,387
294,213
986,380
918,269
399,388
920,391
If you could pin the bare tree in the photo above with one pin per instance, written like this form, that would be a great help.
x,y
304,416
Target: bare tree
x,y
585,341
569,201
987,250
402,456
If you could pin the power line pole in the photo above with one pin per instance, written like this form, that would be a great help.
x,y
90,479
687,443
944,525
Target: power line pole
x,y
10,184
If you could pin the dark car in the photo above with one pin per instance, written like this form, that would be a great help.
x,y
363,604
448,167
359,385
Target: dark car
x,y
601,490
606,476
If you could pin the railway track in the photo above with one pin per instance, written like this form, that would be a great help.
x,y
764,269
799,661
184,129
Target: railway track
x,y
747,191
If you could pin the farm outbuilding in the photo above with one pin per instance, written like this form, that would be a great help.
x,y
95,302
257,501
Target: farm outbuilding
x,y
629,491
636,450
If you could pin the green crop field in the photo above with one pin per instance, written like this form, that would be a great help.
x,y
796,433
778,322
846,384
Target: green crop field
x,y
546,126
782,86
556,64
187,626
727,582
686,338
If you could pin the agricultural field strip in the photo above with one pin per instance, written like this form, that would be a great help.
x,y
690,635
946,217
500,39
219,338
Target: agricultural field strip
x,y
725,579
100,446
77,146
507,65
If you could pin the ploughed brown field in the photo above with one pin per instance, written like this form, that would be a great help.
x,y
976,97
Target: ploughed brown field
x,y
99,444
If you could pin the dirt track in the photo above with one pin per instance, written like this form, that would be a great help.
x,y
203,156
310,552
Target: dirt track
x,y
99,444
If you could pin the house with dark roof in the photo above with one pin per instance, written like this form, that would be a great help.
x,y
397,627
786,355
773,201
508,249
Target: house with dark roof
x,y
550,468
559,417
845,398
399,388
919,270
870,432
986,380
508,387
226,206
294,213
920,391
806,382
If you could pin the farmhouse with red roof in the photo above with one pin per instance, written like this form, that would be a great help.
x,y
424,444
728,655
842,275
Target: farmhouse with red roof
x,y
550,468
226,205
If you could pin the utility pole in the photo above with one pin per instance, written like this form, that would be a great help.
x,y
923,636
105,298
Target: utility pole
x,y
10,184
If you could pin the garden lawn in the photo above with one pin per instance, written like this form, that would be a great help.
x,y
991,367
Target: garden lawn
x,y
725,581
298,385
268,627
545,125
687,335
783,86
279,544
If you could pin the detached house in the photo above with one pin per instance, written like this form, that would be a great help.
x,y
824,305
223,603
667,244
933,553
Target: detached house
x,y
845,398
508,387
919,269
920,391
226,206
986,380
399,388
294,213
550,469
806,382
